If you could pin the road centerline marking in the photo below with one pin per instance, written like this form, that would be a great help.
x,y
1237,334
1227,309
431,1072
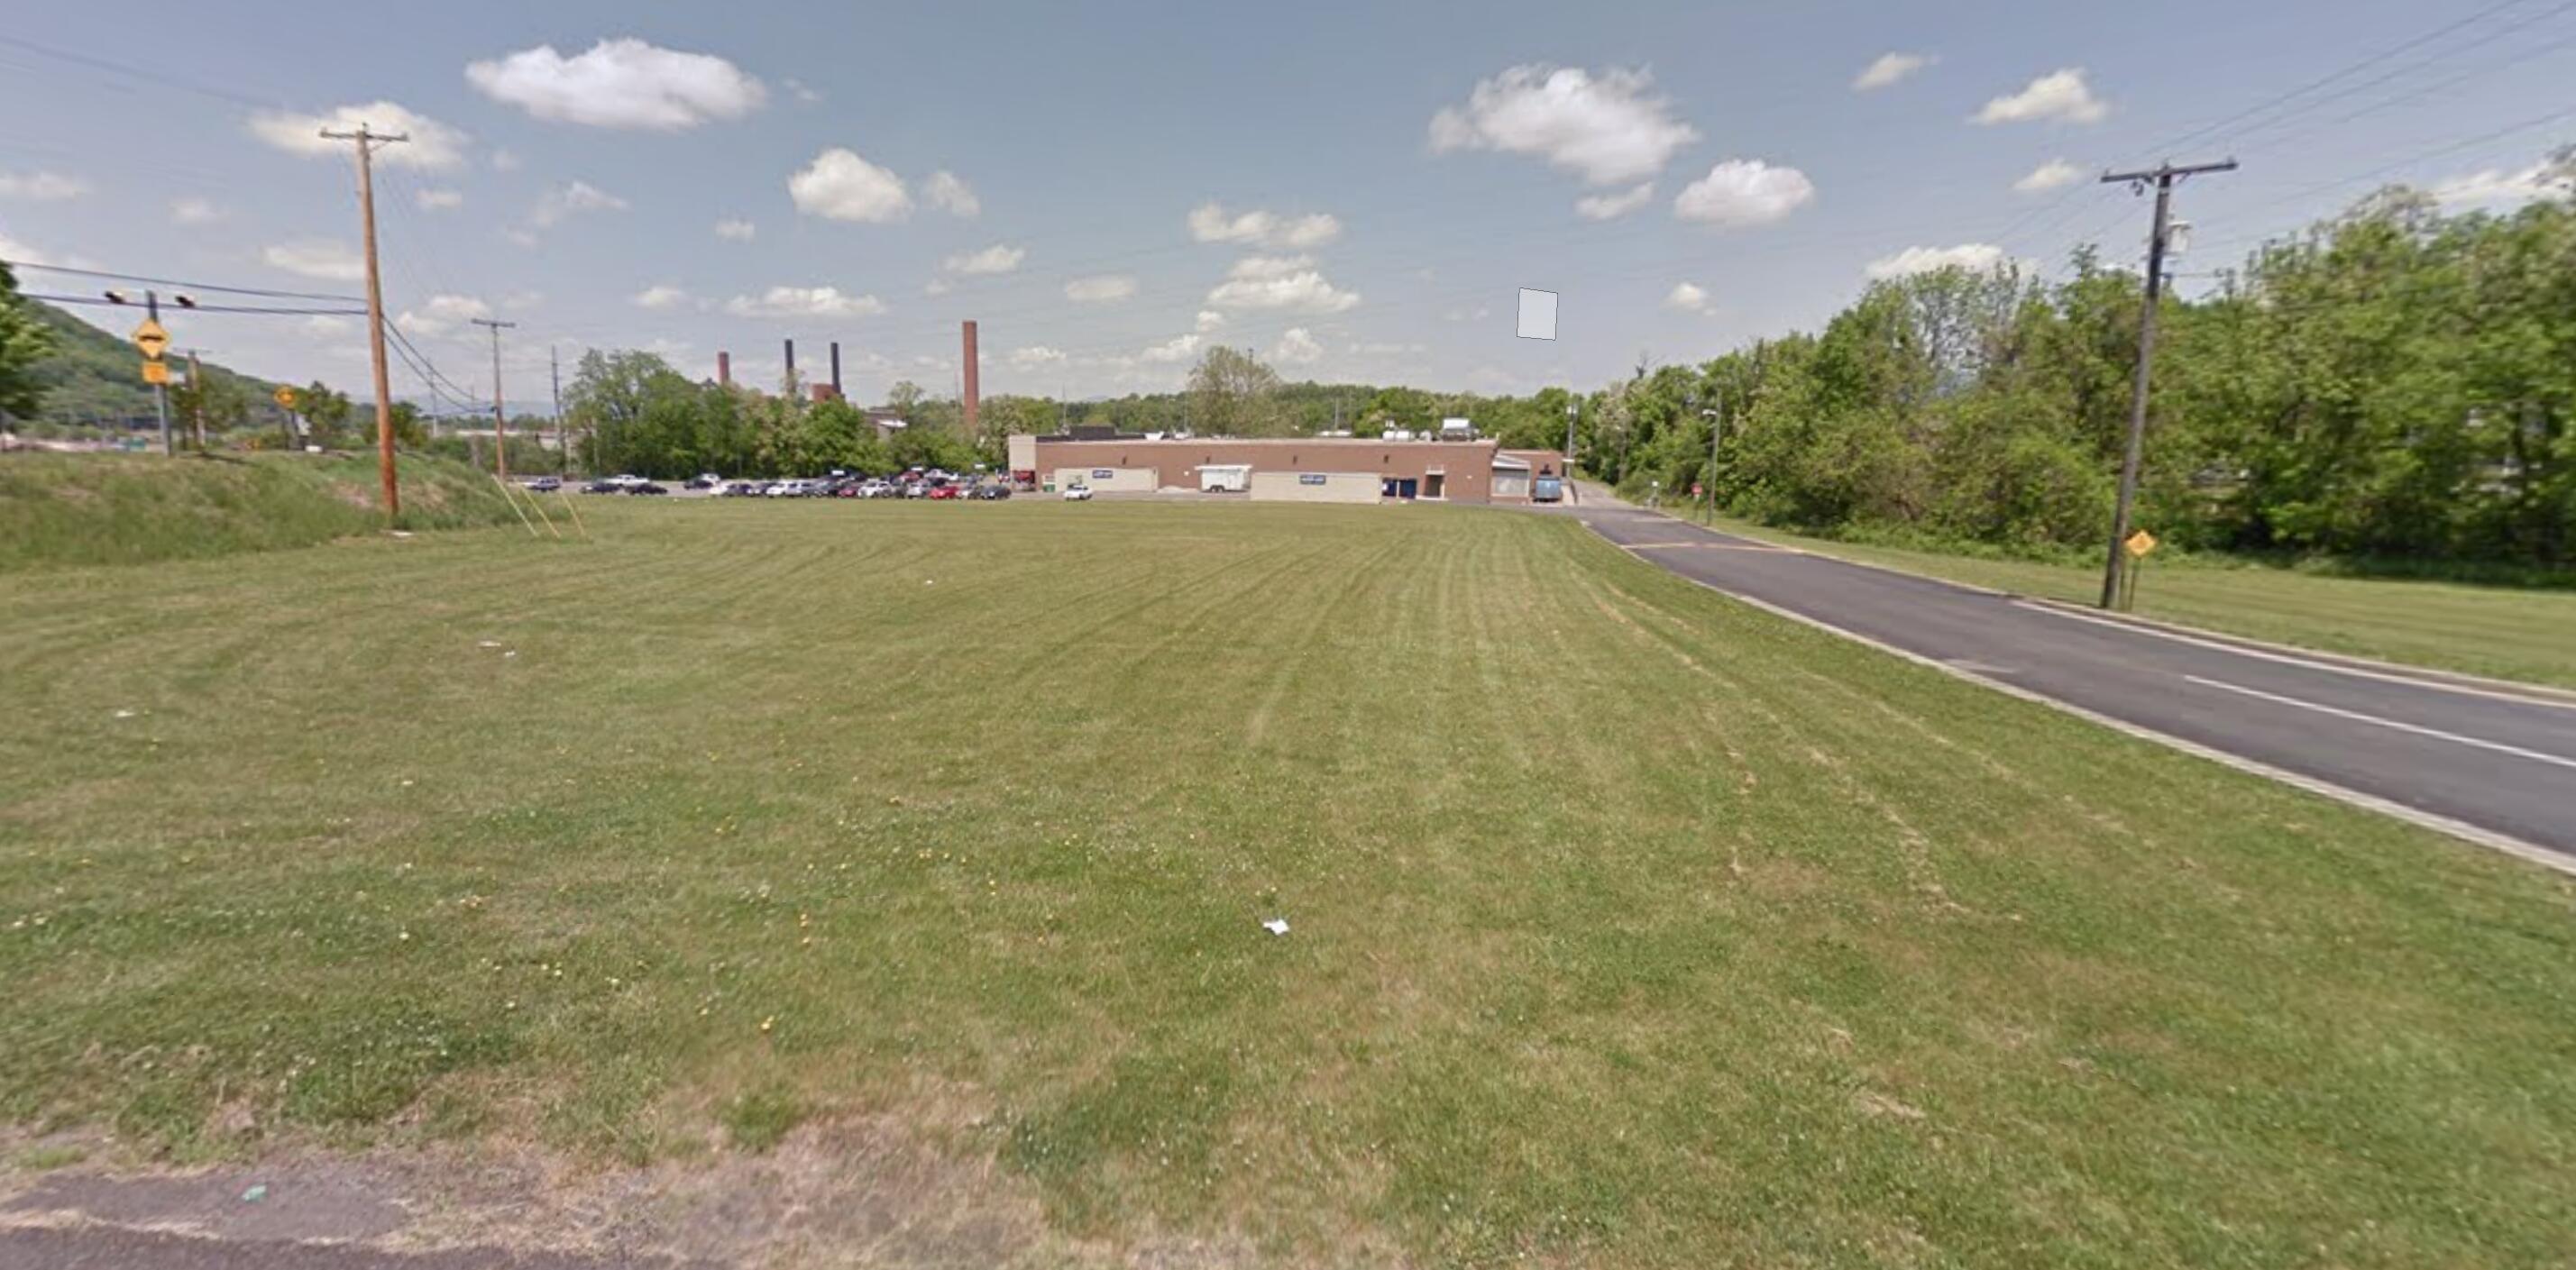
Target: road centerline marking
x,y
2358,717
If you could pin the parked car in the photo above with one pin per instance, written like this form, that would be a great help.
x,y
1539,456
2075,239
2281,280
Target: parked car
x,y
993,493
646,487
1077,493
916,489
545,485
705,480
944,491
741,489
873,488
605,485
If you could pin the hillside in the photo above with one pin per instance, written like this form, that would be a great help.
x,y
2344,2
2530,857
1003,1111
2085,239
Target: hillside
x,y
90,509
92,375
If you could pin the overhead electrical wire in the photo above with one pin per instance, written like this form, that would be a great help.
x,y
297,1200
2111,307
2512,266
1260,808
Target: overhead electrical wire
x,y
193,286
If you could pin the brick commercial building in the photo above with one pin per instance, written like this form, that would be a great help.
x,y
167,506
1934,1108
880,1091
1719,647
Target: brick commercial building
x,y
1290,469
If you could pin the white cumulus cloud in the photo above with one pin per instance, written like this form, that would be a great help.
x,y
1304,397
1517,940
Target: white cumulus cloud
x,y
1210,319
194,211
2054,174
42,187
439,200
1279,282
736,230
317,258
804,302
946,192
1176,349
2495,188
2059,95
1614,206
1297,347
1107,288
442,315
431,145
1611,128
565,201
1975,257
839,185
1034,356
660,296
936,286
621,83
1688,297
998,258
1888,69
1744,192
1211,223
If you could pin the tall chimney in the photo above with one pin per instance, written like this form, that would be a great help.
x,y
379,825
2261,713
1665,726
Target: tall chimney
x,y
724,368
791,360
836,368
974,395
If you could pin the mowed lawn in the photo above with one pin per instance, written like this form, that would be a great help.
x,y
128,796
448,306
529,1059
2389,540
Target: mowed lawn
x,y
1629,926
2520,633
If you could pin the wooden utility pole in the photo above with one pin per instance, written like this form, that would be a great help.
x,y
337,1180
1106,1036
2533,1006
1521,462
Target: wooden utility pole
x,y
367,142
1716,434
197,398
2162,177
500,422
563,452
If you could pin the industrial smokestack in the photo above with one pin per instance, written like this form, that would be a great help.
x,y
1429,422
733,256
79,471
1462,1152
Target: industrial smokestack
x,y
836,368
974,395
791,363
724,368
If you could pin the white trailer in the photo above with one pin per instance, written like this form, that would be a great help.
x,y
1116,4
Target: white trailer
x,y
1224,478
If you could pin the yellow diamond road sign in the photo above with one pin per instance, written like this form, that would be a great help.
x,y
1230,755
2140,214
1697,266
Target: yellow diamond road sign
x,y
2140,543
155,372
285,397
151,338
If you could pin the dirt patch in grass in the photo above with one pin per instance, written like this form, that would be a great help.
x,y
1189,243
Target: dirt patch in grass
x,y
866,1190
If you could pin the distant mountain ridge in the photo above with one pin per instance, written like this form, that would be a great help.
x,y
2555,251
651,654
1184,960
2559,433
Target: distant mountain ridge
x,y
93,377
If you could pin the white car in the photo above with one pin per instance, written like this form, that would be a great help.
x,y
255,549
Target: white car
x,y
1077,493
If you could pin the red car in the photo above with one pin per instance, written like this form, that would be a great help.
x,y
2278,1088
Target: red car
x,y
943,491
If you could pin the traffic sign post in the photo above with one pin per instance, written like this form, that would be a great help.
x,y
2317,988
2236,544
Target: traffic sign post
x,y
153,341
2137,545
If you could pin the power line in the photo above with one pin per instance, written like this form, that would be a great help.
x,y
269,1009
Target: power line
x,y
2366,63
196,308
172,282
157,79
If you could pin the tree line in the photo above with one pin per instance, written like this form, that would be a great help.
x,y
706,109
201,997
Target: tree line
x,y
2394,383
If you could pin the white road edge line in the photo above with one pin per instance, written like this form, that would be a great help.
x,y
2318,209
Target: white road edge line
x,y
2358,717
2357,672
2461,829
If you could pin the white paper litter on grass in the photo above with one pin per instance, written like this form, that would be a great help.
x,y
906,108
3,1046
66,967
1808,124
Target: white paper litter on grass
x,y
125,714
487,643
1276,926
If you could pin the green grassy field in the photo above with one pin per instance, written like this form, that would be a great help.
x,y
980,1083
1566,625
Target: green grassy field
x,y
74,509
1630,927
2527,634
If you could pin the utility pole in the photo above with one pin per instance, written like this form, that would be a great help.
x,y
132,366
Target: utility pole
x,y
1566,460
1716,434
563,452
197,397
367,142
500,422
2162,177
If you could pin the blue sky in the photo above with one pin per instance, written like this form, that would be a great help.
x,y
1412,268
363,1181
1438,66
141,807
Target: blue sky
x,y
1384,176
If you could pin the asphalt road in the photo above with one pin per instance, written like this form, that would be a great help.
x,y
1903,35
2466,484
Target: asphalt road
x,y
2470,756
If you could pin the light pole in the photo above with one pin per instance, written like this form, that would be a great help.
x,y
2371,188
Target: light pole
x,y
1572,408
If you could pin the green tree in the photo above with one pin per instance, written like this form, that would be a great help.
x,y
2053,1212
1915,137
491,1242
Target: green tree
x,y
1231,394
24,343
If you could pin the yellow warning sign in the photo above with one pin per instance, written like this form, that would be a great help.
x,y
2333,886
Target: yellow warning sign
x,y
2140,543
284,397
151,338
155,372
